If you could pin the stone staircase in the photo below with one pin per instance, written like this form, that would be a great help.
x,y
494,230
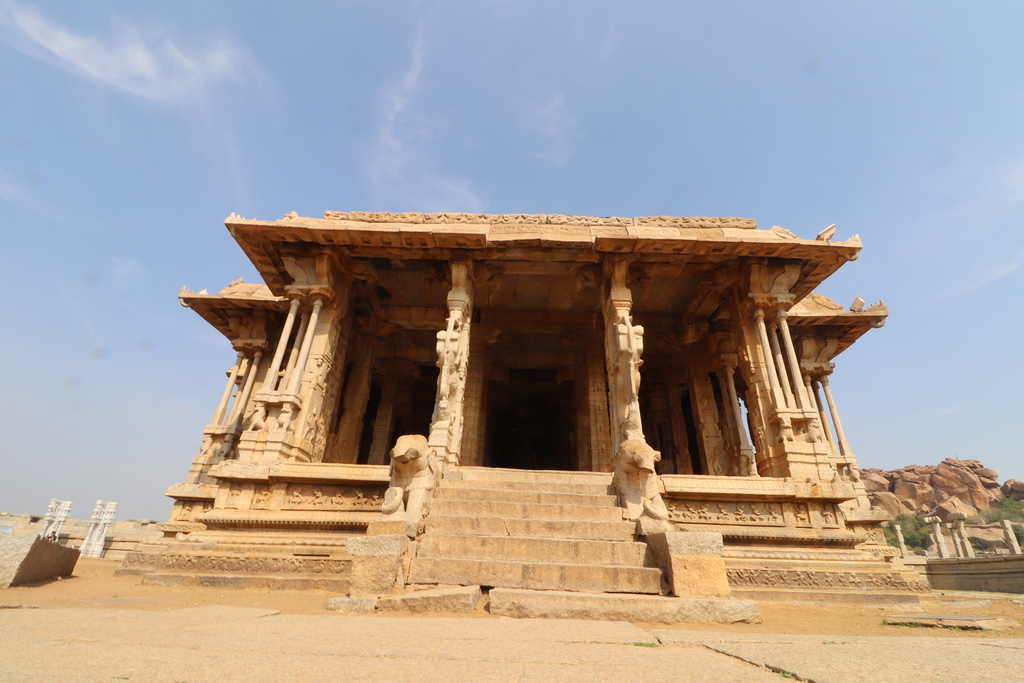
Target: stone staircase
x,y
534,530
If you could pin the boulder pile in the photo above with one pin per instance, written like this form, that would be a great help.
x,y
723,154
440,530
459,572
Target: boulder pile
x,y
964,486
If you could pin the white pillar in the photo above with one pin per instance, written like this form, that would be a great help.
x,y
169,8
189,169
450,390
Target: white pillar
x,y
794,363
769,359
746,450
307,342
282,345
238,409
293,354
218,415
844,447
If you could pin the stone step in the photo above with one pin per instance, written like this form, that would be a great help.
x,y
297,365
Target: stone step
x,y
532,528
547,487
461,508
532,497
536,575
561,551
335,584
543,477
531,604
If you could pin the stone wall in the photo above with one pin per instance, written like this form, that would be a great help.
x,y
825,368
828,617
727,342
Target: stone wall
x,y
1001,573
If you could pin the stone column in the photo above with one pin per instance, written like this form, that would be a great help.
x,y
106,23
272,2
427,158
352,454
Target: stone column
x,y
453,359
794,364
218,415
382,424
816,398
940,541
960,534
581,394
293,354
597,391
899,539
282,345
1011,538
624,345
684,464
844,447
307,343
474,428
780,366
746,451
769,359
705,413
357,393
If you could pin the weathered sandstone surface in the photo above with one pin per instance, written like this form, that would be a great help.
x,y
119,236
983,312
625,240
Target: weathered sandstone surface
x,y
952,486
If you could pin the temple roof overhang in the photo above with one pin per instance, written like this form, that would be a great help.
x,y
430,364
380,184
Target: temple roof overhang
x,y
534,237
830,319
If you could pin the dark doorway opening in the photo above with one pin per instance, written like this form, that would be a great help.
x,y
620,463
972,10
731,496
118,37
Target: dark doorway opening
x,y
530,423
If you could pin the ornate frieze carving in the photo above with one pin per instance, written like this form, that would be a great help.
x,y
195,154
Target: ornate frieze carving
x,y
691,222
800,578
312,497
722,512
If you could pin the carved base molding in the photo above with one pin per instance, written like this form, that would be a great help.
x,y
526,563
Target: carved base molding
x,y
251,565
807,578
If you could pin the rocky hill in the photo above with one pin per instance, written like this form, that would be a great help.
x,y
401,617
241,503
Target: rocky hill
x,y
951,486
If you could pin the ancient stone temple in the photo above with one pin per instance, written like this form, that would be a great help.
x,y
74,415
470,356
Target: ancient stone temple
x,y
530,399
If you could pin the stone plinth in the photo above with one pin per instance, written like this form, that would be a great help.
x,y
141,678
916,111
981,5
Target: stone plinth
x,y
692,562
376,563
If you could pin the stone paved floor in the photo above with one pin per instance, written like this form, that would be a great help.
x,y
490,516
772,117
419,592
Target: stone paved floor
x,y
251,645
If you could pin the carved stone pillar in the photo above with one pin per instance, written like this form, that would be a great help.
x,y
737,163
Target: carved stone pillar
x,y
453,360
357,393
780,367
218,415
624,345
684,463
474,428
844,446
385,410
794,364
940,540
747,462
706,414
601,445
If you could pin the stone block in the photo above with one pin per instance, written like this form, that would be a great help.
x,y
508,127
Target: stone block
x,y
27,558
692,562
456,599
349,605
386,527
376,564
518,549
536,575
377,545
528,604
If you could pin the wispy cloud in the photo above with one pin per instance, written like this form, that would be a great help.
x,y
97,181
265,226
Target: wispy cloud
x,y
145,63
9,189
402,174
552,120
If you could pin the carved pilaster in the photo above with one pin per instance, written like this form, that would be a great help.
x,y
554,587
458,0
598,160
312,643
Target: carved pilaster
x,y
624,345
453,360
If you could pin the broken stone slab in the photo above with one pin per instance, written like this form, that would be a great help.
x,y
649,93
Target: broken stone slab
x,y
27,558
455,599
952,621
693,563
376,564
529,604
350,605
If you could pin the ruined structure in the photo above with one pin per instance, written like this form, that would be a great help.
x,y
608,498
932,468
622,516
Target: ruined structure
x,y
528,352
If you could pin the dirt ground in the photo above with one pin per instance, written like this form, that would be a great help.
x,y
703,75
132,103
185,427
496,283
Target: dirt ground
x,y
95,586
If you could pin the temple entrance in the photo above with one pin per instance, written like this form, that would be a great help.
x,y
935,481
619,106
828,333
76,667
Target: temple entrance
x,y
530,422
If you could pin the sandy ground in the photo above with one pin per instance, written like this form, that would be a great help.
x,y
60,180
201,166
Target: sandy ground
x,y
95,586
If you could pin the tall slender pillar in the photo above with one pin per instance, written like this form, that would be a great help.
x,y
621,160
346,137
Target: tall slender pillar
x,y
844,447
452,359
282,346
794,364
597,392
238,409
624,346
812,391
293,354
474,428
357,393
746,451
684,465
307,342
218,415
382,424
769,359
780,364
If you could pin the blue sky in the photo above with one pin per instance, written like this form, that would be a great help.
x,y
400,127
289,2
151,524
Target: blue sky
x,y
128,131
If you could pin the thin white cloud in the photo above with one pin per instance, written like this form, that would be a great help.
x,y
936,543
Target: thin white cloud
x,y
147,64
9,190
551,119
403,176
